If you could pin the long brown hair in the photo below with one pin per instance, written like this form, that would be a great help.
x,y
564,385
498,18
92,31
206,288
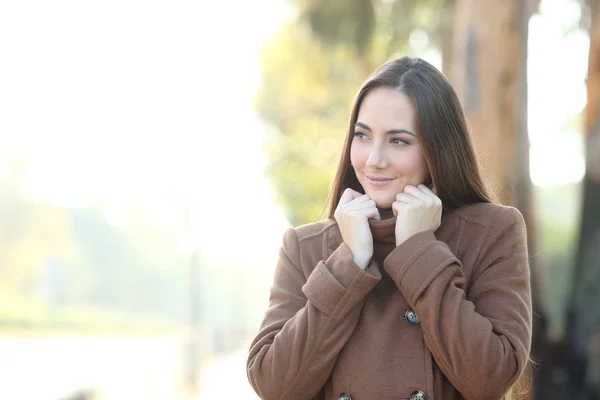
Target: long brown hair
x,y
443,133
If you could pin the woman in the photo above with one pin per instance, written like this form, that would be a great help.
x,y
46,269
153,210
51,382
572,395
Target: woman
x,y
418,285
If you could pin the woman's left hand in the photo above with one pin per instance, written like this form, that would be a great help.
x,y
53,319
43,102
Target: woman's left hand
x,y
418,209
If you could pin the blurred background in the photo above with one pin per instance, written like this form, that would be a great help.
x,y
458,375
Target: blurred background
x,y
153,153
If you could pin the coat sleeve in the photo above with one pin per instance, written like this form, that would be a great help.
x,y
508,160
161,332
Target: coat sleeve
x,y
481,341
307,323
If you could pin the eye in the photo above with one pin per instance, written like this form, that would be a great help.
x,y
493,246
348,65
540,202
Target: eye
x,y
361,135
398,140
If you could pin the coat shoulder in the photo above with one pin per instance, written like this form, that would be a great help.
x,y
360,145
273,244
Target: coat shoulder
x,y
314,230
486,214
314,240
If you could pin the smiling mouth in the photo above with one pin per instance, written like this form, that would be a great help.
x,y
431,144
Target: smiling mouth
x,y
378,182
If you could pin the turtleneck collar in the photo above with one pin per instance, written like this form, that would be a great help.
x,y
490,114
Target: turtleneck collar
x,y
384,230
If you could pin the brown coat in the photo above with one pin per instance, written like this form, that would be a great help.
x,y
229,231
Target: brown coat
x,y
332,328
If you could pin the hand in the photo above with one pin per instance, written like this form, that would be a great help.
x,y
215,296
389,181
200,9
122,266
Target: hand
x,y
418,209
352,215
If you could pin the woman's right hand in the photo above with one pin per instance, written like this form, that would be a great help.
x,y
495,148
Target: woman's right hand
x,y
352,215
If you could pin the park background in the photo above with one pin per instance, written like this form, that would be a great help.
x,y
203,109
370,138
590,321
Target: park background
x,y
153,153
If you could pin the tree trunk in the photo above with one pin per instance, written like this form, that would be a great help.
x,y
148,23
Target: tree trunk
x,y
582,344
489,73
489,48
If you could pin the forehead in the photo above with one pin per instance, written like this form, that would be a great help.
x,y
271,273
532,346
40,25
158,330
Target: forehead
x,y
385,108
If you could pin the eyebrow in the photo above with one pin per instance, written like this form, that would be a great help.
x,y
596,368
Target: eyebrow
x,y
391,131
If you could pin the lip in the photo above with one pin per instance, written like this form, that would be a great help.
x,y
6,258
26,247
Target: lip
x,y
378,181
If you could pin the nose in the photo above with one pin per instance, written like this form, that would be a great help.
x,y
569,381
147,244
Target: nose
x,y
376,158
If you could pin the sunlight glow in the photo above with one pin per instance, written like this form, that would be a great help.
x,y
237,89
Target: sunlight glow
x,y
134,101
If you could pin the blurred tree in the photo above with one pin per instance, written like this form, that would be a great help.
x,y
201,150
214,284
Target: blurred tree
x,y
46,236
57,256
66,268
30,235
132,267
14,210
489,73
297,98
572,365
306,92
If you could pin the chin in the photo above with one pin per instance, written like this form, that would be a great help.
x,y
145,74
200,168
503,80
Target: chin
x,y
381,200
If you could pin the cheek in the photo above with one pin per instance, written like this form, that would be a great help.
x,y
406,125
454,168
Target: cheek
x,y
356,156
411,164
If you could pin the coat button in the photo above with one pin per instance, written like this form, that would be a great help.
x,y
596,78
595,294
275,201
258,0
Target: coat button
x,y
345,396
412,317
418,395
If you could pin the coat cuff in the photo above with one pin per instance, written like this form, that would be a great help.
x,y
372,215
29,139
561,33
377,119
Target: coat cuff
x,y
337,277
416,262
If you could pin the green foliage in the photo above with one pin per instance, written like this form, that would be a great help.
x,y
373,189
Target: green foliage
x,y
350,22
305,95
311,71
24,315
68,269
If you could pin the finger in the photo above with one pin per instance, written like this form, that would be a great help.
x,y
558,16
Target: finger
x,y
349,195
429,192
357,202
397,207
360,211
373,214
407,198
418,193
355,194
346,196
360,199
352,206
436,201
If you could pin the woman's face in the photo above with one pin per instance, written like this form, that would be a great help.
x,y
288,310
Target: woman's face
x,y
385,152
